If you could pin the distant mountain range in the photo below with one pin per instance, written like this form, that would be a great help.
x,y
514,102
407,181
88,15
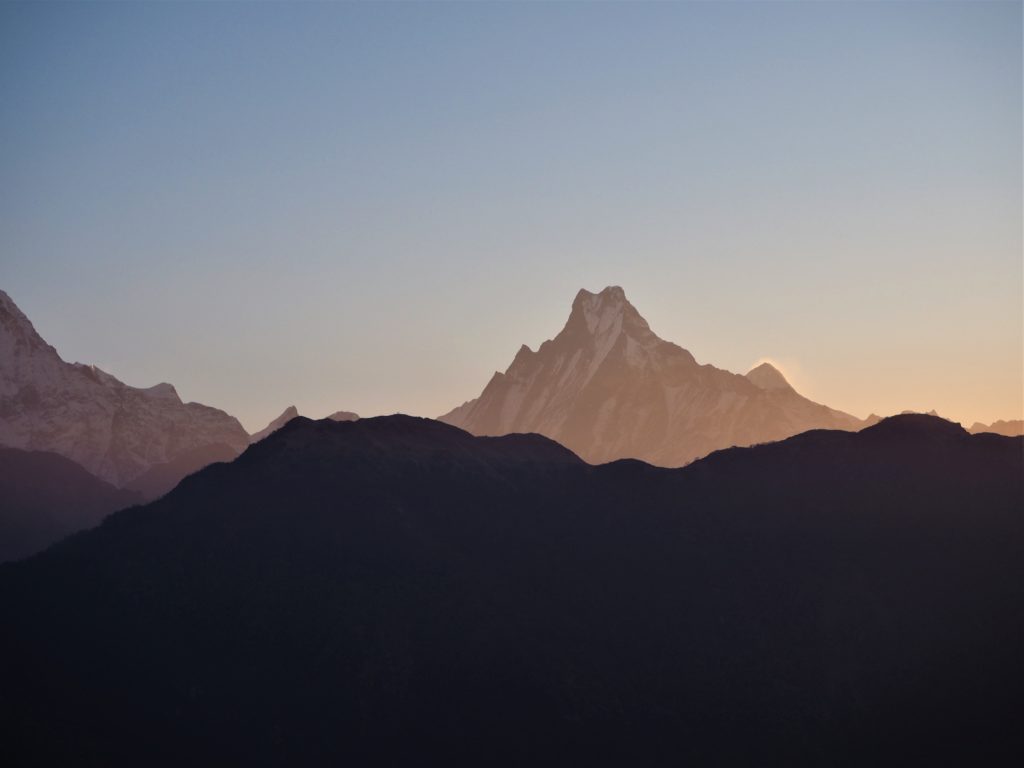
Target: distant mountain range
x,y
396,591
289,413
292,412
143,440
1010,428
45,497
608,388
115,431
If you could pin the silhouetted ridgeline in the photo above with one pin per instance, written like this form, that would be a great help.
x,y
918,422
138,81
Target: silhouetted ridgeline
x,y
161,478
395,590
44,497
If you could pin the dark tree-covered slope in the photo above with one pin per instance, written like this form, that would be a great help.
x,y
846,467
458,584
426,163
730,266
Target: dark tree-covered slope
x,y
44,497
161,478
395,590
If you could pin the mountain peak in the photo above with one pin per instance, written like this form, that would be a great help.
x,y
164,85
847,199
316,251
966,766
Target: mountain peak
x,y
290,413
608,388
115,431
7,303
612,292
11,313
607,310
767,376
17,331
163,390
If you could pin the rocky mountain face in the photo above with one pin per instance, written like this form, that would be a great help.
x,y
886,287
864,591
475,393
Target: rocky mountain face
x,y
608,388
395,591
115,431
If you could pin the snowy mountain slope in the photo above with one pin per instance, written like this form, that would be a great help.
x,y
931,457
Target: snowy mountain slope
x,y
608,388
117,432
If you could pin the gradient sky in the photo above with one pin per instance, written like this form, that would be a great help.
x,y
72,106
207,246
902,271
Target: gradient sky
x,y
370,207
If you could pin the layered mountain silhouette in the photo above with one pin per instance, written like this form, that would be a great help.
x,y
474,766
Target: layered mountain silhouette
x,y
287,415
143,440
44,497
290,413
608,388
115,431
395,590
160,478
1010,428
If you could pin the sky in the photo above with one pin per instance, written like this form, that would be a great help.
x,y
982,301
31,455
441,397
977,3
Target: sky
x,y
370,207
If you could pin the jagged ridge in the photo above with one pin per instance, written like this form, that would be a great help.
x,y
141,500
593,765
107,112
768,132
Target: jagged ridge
x,y
117,432
608,387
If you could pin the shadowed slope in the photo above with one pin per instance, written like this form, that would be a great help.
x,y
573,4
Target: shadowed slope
x,y
396,590
161,478
44,497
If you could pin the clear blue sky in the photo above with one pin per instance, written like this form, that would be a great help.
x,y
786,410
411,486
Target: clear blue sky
x,y
371,206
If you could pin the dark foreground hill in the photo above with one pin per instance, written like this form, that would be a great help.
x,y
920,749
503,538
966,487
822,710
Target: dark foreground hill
x,y
394,590
161,478
44,497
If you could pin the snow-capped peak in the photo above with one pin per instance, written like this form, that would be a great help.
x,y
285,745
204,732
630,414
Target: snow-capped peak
x,y
605,314
7,303
608,388
17,334
600,311
80,411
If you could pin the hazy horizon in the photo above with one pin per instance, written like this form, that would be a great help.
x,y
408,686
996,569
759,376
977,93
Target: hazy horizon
x,y
371,207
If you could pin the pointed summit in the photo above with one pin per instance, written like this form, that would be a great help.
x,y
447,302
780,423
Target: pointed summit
x,y
115,431
608,310
608,388
7,305
163,390
767,376
18,337
289,413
